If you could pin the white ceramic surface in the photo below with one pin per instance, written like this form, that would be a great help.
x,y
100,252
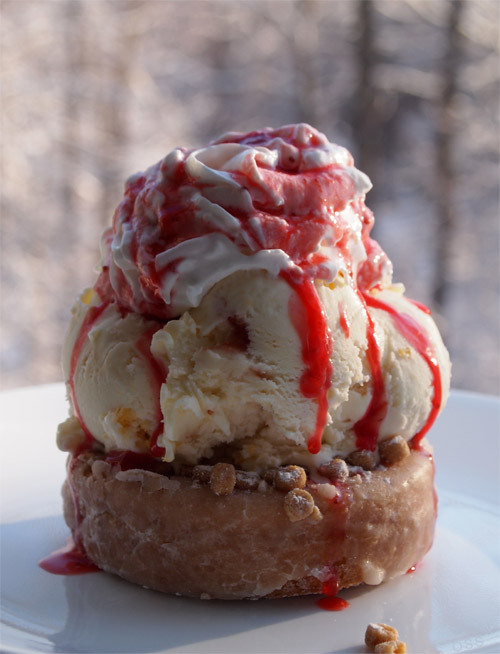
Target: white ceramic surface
x,y
450,604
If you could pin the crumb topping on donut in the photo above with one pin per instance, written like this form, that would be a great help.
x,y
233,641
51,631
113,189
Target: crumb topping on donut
x,y
298,504
222,479
363,458
287,478
393,450
335,470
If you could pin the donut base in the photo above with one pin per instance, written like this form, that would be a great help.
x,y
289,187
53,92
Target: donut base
x,y
174,535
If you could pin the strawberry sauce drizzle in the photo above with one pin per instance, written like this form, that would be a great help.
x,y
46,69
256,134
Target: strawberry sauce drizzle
x,y
310,322
330,586
69,560
367,428
417,337
72,558
345,325
331,602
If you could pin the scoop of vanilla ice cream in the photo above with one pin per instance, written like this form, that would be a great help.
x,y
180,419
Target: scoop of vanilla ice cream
x,y
112,377
234,365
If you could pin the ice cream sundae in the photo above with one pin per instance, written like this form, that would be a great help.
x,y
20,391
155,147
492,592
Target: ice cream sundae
x,y
249,390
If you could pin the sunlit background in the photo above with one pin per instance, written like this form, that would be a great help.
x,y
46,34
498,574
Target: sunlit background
x,y
95,90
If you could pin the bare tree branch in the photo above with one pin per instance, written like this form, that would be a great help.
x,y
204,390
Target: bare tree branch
x,y
445,173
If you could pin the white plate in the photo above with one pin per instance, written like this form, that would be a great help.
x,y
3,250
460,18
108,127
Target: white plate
x,y
450,604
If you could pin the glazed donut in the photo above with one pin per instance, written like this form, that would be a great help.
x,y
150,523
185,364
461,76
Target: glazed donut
x,y
216,532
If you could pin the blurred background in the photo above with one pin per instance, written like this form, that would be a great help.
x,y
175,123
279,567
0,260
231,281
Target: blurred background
x,y
95,90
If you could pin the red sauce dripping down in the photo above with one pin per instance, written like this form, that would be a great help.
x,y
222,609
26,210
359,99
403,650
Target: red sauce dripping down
x,y
331,602
367,428
343,320
335,548
330,586
309,320
417,337
69,560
